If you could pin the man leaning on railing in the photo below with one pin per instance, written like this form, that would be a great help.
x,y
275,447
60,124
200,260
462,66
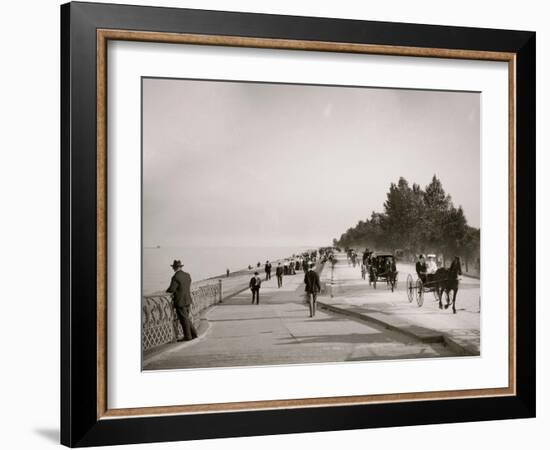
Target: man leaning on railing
x,y
180,287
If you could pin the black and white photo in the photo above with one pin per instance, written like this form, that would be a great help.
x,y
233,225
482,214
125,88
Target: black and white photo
x,y
363,201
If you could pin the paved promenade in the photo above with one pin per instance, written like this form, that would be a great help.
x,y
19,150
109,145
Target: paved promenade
x,y
352,294
280,331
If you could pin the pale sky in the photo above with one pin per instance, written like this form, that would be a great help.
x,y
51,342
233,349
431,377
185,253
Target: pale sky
x,y
250,164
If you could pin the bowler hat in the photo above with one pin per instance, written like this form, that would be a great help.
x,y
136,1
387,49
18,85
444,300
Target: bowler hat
x,y
176,263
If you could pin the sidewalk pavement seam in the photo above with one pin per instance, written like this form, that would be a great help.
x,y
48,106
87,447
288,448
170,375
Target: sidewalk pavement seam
x,y
435,338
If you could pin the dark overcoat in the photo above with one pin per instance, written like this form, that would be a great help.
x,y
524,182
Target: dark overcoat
x,y
312,281
180,286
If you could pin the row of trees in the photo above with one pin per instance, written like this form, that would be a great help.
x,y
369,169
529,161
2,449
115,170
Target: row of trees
x,y
416,220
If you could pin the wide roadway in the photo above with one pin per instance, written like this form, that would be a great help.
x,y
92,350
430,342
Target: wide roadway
x,y
280,331
351,293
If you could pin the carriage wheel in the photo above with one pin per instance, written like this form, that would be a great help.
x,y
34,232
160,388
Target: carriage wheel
x,y
410,288
419,292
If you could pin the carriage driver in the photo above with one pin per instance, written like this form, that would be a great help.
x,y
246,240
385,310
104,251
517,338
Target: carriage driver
x,y
421,268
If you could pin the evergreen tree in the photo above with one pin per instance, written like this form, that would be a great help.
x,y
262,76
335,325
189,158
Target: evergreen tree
x,y
417,221
436,210
395,208
453,231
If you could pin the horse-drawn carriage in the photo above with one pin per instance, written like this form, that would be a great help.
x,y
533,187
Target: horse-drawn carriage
x,y
417,289
382,267
443,280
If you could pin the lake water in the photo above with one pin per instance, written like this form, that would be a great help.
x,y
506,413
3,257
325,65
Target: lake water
x,y
203,263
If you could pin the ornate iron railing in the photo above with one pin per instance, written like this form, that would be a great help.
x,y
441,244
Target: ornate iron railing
x,y
159,322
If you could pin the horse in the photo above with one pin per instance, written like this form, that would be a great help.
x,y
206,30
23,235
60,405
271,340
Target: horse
x,y
447,280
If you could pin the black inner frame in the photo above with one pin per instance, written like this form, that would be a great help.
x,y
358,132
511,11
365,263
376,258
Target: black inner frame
x,y
79,424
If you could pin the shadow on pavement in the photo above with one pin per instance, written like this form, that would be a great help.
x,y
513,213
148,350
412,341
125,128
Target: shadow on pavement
x,y
351,338
239,319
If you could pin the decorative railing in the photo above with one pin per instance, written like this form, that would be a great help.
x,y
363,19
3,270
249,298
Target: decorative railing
x,y
159,322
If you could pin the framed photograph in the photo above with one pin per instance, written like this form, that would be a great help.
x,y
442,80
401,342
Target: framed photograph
x,y
278,224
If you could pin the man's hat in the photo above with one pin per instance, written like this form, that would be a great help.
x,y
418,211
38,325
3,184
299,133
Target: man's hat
x,y
176,263
421,256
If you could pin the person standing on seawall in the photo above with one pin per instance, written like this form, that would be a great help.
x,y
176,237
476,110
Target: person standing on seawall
x,y
255,283
279,273
313,287
180,288
267,270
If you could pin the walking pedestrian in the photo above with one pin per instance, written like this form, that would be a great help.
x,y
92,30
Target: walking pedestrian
x,y
255,283
267,270
313,287
180,288
279,274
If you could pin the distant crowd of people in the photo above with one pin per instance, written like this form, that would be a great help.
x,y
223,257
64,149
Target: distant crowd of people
x,y
289,266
